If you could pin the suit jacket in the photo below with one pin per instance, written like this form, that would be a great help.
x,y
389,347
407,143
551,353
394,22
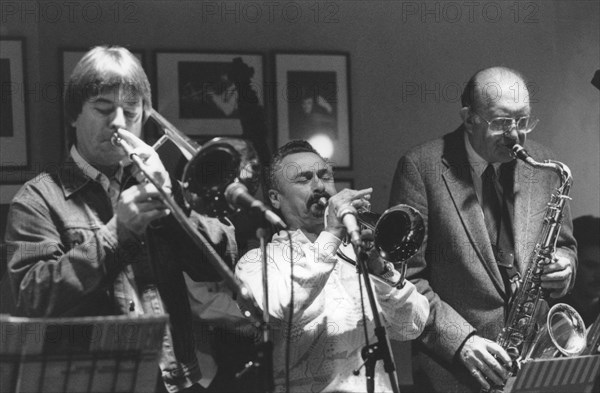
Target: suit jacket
x,y
455,268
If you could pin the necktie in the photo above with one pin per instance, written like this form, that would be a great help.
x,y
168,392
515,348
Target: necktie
x,y
498,220
490,204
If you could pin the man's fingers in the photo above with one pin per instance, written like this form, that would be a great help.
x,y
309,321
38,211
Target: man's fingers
x,y
556,276
131,139
499,353
492,374
367,235
484,358
363,193
555,268
479,376
152,215
150,205
553,285
139,193
556,294
494,371
142,219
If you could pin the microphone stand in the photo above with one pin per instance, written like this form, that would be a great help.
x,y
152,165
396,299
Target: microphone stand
x,y
381,349
264,350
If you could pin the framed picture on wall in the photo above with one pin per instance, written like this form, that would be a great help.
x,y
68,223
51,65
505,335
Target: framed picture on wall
x,y
13,121
197,91
313,103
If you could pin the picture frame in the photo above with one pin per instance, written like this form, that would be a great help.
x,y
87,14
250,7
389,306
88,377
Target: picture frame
x,y
313,103
197,93
14,140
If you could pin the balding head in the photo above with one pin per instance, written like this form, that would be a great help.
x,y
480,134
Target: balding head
x,y
489,85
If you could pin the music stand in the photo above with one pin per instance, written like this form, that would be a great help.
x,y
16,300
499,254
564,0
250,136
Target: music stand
x,y
86,354
574,374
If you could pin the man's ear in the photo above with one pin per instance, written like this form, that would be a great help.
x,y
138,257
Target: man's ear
x,y
467,118
274,198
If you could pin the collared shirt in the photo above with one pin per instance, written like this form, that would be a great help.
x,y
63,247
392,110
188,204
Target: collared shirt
x,y
112,186
328,331
125,288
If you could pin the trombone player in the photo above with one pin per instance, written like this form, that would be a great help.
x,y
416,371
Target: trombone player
x,y
91,238
326,333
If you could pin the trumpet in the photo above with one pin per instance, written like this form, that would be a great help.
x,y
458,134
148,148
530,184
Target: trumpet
x,y
398,233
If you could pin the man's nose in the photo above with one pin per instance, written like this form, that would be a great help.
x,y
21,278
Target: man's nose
x,y
118,120
512,133
318,183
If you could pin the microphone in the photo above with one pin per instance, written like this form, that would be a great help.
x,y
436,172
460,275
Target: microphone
x,y
347,215
236,194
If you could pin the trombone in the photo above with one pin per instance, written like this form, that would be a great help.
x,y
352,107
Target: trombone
x,y
205,190
398,234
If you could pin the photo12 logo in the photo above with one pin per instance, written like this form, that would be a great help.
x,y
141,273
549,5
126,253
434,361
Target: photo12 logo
x,y
270,11
470,11
69,12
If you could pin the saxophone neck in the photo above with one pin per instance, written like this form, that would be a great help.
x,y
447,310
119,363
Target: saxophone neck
x,y
562,170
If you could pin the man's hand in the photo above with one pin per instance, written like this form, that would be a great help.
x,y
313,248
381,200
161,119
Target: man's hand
x,y
149,156
482,358
141,204
375,263
557,276
138,206
356,198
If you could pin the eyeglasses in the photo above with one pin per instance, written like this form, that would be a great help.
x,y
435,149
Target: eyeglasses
x,y
504,125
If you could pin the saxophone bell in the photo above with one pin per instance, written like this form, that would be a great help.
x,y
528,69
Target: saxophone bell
x,y
563,334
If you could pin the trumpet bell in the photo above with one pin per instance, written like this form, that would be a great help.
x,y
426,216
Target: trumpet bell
x,y
398,232
220,162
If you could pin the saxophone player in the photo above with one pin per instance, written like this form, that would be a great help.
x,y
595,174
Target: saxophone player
x,y
483,214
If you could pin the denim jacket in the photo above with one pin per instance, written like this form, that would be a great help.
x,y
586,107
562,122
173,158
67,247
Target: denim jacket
x,y
66,252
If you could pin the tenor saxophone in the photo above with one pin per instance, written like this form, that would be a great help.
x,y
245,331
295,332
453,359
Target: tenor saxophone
x,y
523,337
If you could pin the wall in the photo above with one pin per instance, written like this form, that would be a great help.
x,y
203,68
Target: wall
x,y
408,61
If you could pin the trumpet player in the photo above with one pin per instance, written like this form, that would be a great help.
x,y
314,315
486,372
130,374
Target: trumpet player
x,y
79,237
484,214
326,332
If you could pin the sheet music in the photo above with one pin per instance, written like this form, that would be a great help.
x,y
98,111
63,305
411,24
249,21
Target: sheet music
x,y
87,354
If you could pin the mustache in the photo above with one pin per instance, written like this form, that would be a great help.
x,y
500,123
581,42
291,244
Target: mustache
x,y
314,198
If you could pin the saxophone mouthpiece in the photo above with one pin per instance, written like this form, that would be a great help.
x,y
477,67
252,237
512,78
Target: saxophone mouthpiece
x,y
519,152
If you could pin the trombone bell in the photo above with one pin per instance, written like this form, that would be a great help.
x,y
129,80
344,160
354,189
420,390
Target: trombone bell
x,y
398,232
